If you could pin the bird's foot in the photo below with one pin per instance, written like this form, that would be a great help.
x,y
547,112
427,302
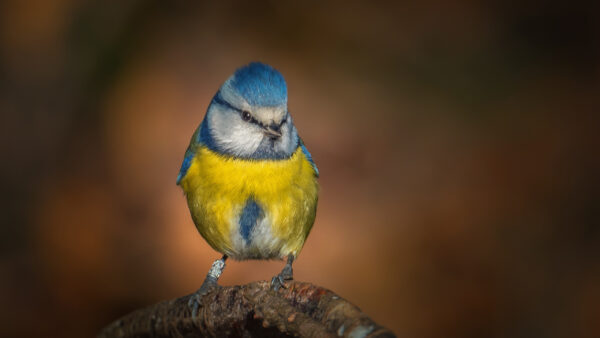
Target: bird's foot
x,y
210,284
279,281
195,301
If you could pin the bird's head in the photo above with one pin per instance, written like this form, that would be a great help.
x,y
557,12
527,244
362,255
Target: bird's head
x,y
248,117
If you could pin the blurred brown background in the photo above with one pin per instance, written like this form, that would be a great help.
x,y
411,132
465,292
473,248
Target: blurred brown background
x,y
457,144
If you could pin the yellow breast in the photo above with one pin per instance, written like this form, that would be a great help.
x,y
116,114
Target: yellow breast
x,y
217,188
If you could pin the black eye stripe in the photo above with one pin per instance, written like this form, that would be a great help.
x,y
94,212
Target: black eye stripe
x,y
219,100
250,118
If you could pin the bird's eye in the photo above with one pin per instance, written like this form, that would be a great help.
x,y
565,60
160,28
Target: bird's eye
x,y
246,116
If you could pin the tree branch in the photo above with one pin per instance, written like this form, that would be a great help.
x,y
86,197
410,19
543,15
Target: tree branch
x,y
252,310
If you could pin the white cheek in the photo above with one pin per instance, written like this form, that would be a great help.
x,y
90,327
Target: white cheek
x,y
234,135
285,142
288,142
243,140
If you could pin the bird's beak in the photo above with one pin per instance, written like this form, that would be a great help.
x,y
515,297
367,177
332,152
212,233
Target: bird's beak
x,y
272,132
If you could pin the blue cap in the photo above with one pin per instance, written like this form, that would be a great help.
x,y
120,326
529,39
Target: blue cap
x,y
260,85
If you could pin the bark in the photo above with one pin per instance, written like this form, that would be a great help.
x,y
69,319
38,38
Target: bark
x,y
252,310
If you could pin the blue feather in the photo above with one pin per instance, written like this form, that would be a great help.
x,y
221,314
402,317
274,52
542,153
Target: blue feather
x,y
204,136
309,157
187,162
260,85
189,154
251,214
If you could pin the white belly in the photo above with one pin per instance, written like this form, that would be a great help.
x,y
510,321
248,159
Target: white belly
x,y
261,244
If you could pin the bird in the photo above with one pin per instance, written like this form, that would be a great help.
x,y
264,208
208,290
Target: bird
x,y
250,182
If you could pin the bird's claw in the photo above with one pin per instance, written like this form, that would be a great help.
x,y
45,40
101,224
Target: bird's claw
x,y
195,301
279,281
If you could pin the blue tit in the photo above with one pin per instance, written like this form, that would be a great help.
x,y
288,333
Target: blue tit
x,y
250,182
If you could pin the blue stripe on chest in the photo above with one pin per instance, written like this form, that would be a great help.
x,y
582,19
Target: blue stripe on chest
x,y
251,215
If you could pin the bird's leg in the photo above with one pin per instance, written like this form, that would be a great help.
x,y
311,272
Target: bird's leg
x,y
286,274
210,282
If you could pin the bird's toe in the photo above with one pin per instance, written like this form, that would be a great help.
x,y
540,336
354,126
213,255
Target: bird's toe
x,y
278,282
195,301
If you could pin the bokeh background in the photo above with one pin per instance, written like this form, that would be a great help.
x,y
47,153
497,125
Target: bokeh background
x,y
457,144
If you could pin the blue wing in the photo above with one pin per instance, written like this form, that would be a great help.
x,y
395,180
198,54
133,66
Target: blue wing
x,y
189,156
187,162
309,157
